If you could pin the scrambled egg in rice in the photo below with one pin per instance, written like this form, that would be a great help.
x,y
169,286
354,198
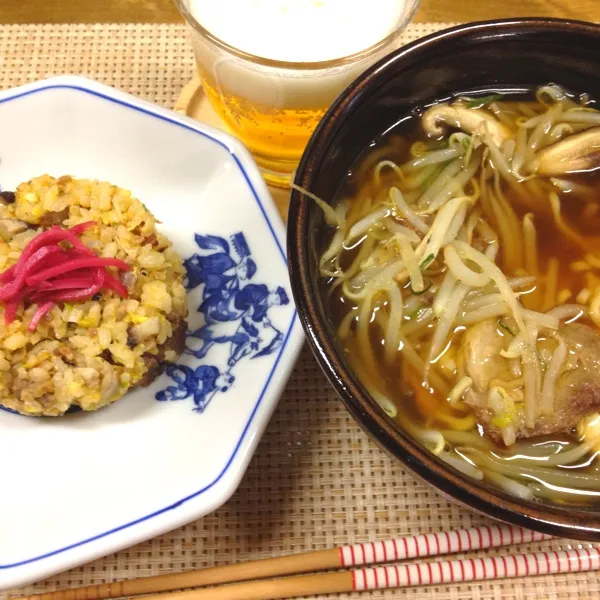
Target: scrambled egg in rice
x,y
90,354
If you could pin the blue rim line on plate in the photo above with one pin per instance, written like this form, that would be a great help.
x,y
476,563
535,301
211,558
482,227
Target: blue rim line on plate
x,y
270,376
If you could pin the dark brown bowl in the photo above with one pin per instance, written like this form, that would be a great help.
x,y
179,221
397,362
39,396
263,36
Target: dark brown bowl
x,y
500,54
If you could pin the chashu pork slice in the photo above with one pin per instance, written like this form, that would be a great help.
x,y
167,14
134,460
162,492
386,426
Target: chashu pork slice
x,y
577,392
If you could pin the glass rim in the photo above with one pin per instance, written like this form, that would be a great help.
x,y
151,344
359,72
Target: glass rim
x,y
295,65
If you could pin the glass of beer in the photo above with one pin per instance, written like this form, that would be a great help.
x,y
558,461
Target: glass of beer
x,y
271,68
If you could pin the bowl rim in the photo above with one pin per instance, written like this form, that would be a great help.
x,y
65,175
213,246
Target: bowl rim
x,y
580,523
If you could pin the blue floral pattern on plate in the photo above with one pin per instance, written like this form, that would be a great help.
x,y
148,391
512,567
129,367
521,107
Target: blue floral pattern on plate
x,y
235,313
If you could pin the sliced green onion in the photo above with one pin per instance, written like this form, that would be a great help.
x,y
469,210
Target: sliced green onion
x,y
484,100
415,313
504,326
428,260
425,289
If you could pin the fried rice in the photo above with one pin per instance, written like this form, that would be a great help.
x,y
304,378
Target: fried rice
x,y
90,354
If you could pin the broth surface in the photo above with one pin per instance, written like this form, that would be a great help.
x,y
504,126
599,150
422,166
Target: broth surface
x,y
567,243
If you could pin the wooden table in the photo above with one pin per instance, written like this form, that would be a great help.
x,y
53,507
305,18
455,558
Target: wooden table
x,y
164,11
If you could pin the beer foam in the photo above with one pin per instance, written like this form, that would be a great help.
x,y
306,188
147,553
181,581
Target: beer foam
x,y
299,30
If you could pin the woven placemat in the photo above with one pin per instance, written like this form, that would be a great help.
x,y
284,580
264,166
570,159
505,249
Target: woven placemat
x,y
316,479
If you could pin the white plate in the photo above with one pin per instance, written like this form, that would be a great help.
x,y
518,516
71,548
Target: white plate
x,y
84,485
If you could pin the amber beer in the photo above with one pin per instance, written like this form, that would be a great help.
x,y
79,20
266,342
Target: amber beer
x,y
276,135
271,68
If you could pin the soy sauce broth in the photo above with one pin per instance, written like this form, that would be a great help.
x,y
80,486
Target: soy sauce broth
x,y
566,246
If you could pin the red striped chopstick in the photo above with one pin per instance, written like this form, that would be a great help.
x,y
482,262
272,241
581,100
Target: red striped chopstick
x,y
436,544
399,576
473,569
414,546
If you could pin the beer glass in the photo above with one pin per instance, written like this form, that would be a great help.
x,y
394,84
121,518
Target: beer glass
x,y
273,106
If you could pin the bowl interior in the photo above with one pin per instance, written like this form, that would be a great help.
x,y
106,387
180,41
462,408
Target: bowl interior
x,y
509,55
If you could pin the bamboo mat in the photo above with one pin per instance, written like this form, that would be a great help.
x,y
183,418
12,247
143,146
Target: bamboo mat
x,y
316,480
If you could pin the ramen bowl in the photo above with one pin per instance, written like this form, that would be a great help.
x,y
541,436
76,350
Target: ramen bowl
x,y
481,58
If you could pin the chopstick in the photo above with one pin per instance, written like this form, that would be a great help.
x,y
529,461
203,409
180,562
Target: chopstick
x,y
398,576
415,546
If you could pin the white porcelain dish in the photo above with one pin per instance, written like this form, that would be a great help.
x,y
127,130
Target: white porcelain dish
x,y
84,485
